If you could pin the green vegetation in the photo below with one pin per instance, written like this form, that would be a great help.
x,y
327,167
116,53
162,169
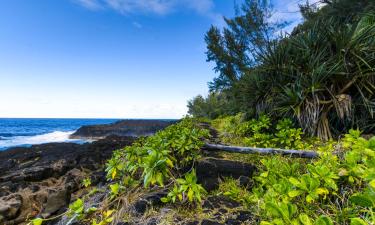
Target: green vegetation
x,y
186,190
293,91
260,133
321,76
334,188
159,158
151,162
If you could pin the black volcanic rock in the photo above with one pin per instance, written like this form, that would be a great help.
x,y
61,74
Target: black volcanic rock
x,y
134,128
40,180
210,170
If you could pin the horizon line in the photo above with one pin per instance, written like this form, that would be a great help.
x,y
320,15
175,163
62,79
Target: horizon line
x,y
93,118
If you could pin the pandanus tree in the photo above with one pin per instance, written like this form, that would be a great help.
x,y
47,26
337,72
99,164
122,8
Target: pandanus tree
x,y
324,77
321,75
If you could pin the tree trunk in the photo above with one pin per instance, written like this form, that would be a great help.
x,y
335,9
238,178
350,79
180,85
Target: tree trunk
x,y
262,151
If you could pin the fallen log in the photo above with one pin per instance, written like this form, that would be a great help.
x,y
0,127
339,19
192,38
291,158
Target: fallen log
x,y
262,151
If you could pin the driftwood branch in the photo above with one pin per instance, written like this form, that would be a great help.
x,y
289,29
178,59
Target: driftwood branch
x,y
263,151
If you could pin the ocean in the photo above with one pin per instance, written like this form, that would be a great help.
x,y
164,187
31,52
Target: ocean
x,y
26,132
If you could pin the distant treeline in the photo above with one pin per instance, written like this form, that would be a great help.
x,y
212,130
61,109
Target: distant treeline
x,y
321,75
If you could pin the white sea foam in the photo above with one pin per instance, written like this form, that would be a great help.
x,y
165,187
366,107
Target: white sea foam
x,y
56,136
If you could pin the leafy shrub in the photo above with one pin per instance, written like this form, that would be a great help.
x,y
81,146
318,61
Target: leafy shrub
x,y
156,158
260,132
186,190
322,191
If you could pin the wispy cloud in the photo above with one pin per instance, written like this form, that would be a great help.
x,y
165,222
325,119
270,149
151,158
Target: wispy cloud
x,y
288,10
160,7
89,4
137,25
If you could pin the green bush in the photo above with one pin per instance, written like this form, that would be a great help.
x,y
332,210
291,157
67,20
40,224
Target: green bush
x,y
260,132
186,190
329,189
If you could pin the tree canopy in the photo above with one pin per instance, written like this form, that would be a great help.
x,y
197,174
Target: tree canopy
x,y
321,75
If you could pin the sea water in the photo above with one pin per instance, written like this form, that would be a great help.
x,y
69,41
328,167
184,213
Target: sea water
x,y
26,132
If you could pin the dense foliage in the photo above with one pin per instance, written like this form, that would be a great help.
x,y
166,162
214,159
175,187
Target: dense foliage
x,y
160,157
321,76
260,133
334,189
163,160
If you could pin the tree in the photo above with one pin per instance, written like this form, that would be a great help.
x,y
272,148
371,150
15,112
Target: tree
x,y
322,75
235,49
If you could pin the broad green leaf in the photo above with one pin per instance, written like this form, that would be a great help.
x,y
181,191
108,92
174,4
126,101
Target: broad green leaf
x,y
357,221
294,181
274,209
323,220
265,223
305,219
361,200
295,193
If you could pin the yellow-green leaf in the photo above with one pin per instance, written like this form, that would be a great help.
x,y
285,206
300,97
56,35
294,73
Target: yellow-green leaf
x,y
305,219
190,195
322,191
114,172
372,183
37,221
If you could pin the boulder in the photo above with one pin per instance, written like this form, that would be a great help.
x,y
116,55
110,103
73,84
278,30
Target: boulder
x,y
10,206
56,200
147,201
210,170
133,128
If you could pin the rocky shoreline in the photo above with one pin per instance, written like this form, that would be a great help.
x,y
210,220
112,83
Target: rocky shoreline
x,y
130,127
42,180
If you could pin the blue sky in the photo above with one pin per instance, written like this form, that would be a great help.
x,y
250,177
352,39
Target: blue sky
x,y
108,58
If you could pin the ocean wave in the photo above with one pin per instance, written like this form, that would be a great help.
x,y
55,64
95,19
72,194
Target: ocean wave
x,y
56,136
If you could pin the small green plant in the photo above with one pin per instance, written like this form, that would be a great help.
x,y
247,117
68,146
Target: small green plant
x,y
76,209
156,167
186,190
115,190
86,182
107,218
36,221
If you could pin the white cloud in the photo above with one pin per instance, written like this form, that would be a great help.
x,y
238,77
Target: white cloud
x,y
137,25
90,4
287,10
160,7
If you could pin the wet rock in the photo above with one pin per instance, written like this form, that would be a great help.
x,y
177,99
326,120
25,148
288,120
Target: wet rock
x,y
10,206
217,202
195,222
210,222
147,201
33,172
244,181
244,216
153,221
56,200
232,222
210,170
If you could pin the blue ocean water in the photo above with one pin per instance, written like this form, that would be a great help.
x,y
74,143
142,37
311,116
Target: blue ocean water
x,y
26,132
